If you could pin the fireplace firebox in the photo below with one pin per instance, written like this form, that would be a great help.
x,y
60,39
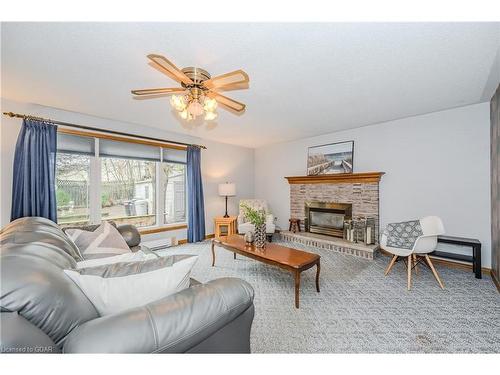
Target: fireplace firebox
x,y
327,217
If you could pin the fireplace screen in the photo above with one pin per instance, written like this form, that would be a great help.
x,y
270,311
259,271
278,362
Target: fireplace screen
x,y
327,217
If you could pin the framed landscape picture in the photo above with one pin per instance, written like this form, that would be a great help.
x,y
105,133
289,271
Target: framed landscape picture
x,y
332,158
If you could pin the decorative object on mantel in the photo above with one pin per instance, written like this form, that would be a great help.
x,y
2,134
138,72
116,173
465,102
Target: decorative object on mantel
x,y
227,190
364,177
333,158
258,219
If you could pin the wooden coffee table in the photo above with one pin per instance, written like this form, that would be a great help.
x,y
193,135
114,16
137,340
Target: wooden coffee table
x,y
286,258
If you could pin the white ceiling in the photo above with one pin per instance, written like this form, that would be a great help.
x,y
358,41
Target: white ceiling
x,y
305,79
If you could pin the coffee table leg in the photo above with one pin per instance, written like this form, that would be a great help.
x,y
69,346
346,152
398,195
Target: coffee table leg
x,y
213,253
318,268
297,288
234,255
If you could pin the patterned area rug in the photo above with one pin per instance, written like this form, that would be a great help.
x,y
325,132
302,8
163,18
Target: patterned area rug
x,y
359,310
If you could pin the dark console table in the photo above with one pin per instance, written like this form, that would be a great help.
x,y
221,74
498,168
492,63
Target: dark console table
x,y
474,259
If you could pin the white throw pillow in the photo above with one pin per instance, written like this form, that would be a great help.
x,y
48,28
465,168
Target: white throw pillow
x,y
128,257
105,240
116,287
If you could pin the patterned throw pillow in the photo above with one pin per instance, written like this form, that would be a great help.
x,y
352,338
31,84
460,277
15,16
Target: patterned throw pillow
x,y
105,241
403,235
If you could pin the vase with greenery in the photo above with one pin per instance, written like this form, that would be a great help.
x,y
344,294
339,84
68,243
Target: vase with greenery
x,y
258,219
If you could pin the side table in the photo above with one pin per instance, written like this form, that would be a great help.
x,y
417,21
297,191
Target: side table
x,y
224,226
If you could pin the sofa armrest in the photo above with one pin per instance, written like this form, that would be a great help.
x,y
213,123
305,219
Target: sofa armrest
x,y
18,335
173,324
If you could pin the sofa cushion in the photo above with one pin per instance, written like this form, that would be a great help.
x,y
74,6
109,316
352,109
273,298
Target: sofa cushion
x,y
116,287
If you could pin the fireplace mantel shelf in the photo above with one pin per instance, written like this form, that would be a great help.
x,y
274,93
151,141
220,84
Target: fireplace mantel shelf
x,y
343,178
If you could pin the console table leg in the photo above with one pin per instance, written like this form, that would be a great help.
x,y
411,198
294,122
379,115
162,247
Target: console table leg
x,y
297,288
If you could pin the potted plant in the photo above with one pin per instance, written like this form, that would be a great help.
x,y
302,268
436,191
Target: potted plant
x,y
258,219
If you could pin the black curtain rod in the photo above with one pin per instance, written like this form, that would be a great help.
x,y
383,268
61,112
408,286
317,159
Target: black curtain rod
x,y
18,115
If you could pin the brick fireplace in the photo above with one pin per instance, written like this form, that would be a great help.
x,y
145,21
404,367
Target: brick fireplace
x,y
354,194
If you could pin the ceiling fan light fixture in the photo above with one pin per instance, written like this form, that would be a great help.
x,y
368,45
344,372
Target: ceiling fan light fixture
x,y
195,108
210,105
185,115
197,94
210,116
178,102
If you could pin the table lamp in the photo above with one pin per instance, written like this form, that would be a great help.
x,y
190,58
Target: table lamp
x,y
227,190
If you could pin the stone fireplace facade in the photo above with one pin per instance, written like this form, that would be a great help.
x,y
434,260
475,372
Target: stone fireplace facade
x,y
361,194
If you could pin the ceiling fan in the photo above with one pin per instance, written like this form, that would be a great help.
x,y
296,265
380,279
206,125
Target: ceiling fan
x,y
198,95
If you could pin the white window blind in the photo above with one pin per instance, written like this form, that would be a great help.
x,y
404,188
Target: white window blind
x,y
174,155
74,144
126,150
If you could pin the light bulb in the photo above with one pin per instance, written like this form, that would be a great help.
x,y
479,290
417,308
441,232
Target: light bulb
x,y
195,108
209,116
178,102
210,105
185,115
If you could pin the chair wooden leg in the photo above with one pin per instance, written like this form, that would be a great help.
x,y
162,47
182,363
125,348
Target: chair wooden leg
x,y
393,260
415,262
434,271
409,271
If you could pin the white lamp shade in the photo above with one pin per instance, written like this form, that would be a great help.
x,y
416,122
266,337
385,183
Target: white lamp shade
x,y
227,190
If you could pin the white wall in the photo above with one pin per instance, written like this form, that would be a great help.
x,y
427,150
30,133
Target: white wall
x,y
435,164
220,162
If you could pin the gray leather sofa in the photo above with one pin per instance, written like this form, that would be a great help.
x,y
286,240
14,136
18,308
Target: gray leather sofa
x,y
43,311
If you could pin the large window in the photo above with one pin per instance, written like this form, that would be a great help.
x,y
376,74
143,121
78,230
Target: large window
x,y
100,179
72,188
128,191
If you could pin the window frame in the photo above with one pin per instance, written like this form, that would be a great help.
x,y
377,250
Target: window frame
x,y
95,210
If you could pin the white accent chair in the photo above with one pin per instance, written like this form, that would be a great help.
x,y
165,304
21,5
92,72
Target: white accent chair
x,y
244,226
432,226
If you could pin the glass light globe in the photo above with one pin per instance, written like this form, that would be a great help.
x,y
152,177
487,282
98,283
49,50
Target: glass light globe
x,y
178,102
195,108
210,105
209,116
185,115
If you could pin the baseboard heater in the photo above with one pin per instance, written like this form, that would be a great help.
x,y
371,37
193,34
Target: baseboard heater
x,y
159,244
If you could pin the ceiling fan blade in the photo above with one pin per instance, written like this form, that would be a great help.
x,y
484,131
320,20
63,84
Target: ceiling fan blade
x,y
225,101
165,90
171,70
159,91
232,78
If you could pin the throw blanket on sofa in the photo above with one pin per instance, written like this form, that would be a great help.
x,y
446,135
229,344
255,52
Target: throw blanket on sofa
x,y
403,235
